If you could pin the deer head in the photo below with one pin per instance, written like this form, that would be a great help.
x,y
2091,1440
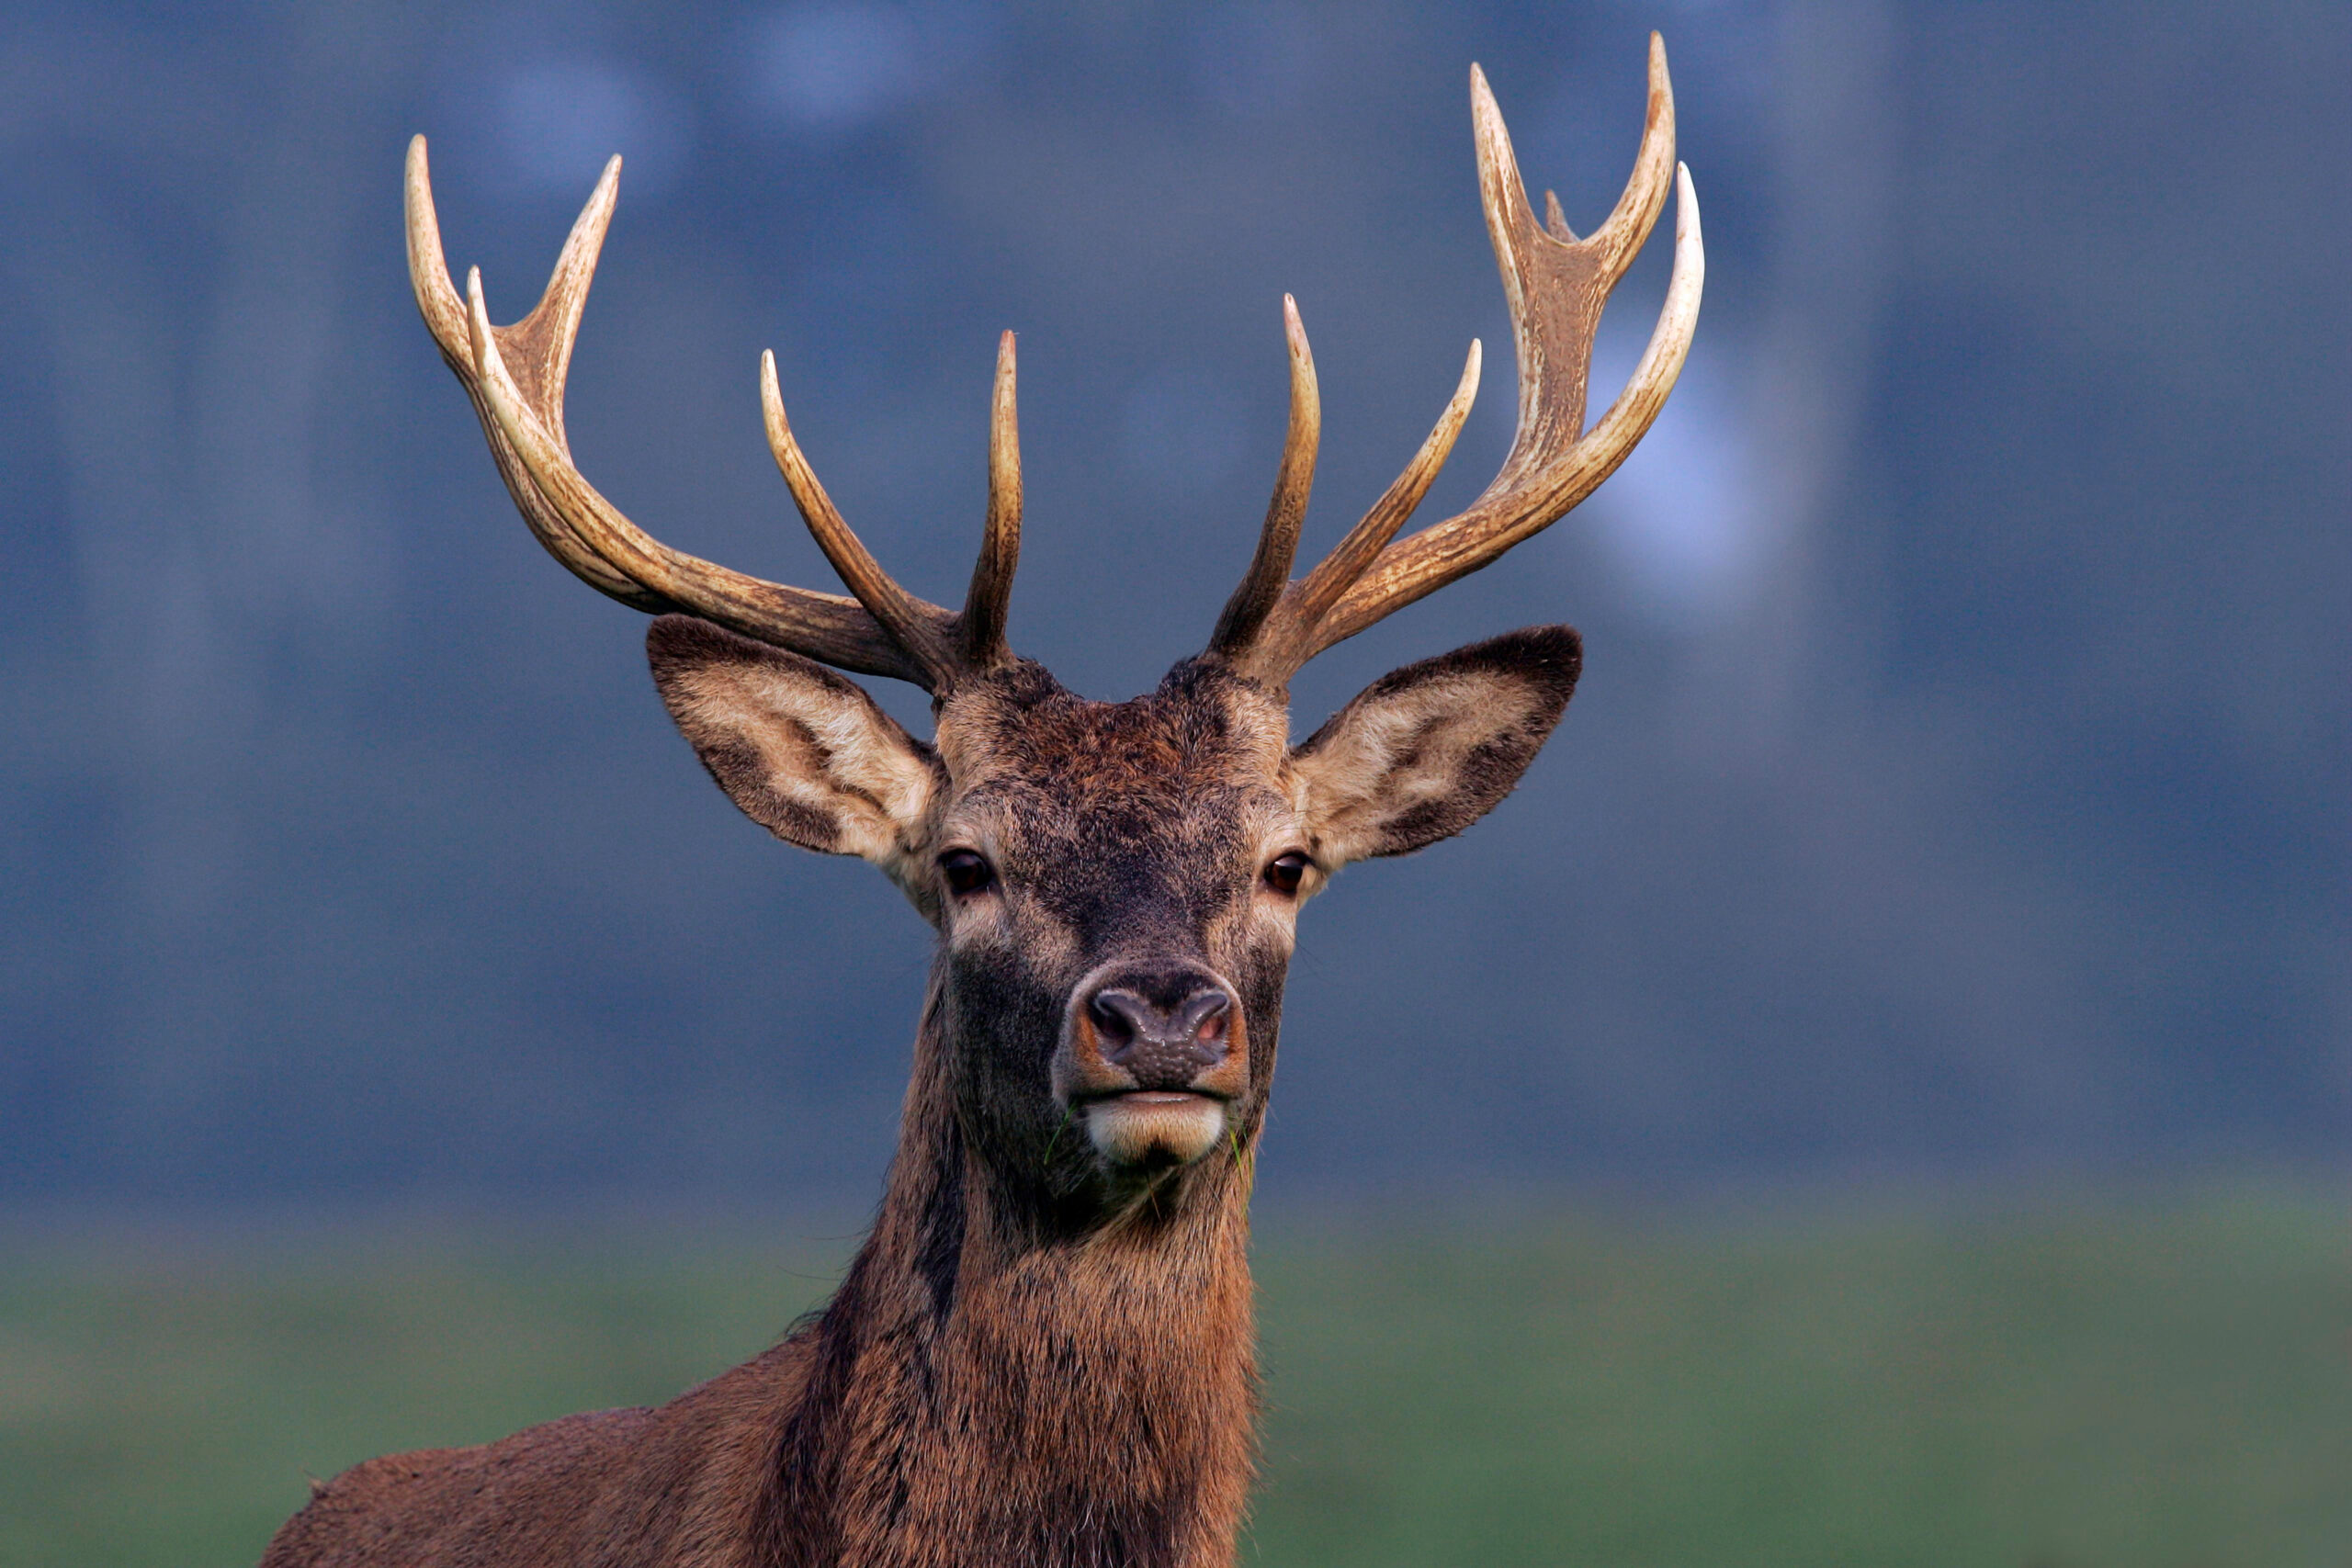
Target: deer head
x,y
1116,886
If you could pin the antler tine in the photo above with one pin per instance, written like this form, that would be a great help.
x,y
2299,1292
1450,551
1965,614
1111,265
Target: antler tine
x,y
1288,642
515,377
1262,587
1352,556
1555,286
919,627
1621,235
990,597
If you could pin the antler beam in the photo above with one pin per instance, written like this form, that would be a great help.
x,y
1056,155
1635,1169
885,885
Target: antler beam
x,y
515,376
1556,285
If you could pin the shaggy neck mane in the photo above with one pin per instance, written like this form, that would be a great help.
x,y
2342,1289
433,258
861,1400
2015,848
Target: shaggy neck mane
x,y
996,1381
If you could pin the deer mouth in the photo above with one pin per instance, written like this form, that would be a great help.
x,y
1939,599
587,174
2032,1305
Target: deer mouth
x,y
1154,1127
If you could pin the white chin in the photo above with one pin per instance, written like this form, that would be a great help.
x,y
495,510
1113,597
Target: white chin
x,y
1155,1129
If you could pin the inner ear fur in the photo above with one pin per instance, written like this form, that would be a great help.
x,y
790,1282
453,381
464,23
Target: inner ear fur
x,y
1426,751
805,752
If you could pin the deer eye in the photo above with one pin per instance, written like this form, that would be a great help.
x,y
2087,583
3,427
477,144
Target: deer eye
x,y
1284,872
966,871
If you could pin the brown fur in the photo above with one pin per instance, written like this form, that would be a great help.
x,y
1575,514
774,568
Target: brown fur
x,y
1036,1357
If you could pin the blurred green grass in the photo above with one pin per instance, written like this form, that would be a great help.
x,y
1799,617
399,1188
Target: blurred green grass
x,y
2159,1383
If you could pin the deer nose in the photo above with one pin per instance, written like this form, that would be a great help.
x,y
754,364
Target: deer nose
x,y
1166,1035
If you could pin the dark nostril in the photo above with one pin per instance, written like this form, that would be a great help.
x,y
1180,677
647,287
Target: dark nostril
x,y
1120,1020
1200,1025
1156,1042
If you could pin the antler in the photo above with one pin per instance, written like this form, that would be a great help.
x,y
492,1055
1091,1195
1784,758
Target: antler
x,y
1557,285
515,375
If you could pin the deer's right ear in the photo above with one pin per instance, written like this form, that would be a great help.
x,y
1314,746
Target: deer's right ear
x,y
804,751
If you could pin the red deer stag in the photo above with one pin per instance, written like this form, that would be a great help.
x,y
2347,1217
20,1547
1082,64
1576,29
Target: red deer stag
x,y
1043,1353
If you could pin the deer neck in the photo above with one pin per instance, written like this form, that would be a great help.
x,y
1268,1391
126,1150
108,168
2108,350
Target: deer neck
x,y
999,1381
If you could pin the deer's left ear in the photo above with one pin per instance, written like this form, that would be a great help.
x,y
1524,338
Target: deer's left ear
x,y
1426,751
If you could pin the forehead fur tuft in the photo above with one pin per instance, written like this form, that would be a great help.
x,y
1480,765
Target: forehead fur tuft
x,y
1201,723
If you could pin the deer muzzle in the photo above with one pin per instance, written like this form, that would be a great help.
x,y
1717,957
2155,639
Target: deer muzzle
x,y
1152,1058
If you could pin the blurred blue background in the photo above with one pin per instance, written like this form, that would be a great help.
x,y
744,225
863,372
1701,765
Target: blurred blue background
x,y
1957,788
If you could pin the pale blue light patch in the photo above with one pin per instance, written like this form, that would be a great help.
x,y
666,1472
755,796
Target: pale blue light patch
x,y
558,121
836,64
839,65
1682,520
